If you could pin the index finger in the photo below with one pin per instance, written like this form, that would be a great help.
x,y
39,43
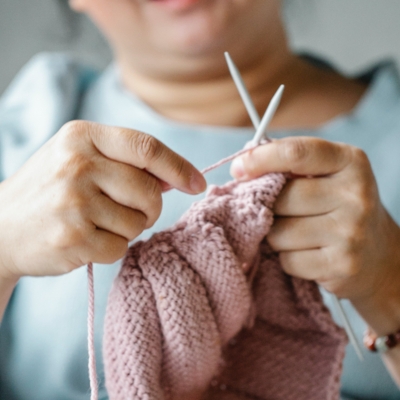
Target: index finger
x,y
296,155
146,152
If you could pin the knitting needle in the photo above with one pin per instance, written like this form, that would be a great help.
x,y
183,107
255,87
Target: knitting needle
x,y
269,114
347,327
260,133
244,94
261,126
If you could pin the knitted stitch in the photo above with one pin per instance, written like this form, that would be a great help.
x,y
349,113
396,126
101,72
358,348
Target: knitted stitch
x,y
202,311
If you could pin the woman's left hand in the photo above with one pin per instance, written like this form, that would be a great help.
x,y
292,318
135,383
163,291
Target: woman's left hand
x,y
330,224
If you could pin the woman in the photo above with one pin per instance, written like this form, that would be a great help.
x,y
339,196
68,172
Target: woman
x,y
93,187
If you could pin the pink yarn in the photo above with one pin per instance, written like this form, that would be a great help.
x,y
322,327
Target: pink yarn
x,y
231,157
91,309
204,311
94,395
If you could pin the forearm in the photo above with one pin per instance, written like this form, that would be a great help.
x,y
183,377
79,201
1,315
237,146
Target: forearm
x,y
6,288
382,314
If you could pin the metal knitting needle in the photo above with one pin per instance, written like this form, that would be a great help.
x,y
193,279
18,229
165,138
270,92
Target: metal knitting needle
x,y
347,327
261,128
269,114
244,94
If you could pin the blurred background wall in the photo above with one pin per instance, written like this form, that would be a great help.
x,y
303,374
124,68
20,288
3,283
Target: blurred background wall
x,y
352,34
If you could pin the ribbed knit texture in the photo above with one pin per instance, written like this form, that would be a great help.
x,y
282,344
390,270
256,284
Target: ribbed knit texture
x,y
204,311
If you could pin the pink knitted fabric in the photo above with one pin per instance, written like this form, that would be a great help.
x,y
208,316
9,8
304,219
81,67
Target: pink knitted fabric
x,y
204,311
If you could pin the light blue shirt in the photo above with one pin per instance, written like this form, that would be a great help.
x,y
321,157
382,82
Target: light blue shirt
x,y
43,351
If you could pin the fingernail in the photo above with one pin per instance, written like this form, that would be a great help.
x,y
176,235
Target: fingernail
x,y
237,168
197,183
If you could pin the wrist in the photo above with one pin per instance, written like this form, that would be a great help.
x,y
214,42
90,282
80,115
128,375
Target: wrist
x,y
6,276
381,310
7,286
7,267
7,279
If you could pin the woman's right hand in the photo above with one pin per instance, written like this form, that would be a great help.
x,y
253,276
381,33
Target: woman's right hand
x,y
83,196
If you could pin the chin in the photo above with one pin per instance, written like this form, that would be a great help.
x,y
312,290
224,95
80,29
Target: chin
x,y
203,28
192,41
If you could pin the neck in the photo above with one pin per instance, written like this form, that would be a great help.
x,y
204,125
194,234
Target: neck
x,y
211,100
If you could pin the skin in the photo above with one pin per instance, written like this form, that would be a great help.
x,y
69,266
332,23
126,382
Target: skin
x,y
98,189
330,227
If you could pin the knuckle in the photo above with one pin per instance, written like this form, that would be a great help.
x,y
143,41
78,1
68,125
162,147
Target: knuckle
x,y
353,243
294,151
153,217
138,225
63,200
359,156
146,147
153,189
272,241
133,224
349,266
287,263
114,250
366,206
362,200
73,129
153,203
362,169
70,225
353,238
66,236
76,167
350,241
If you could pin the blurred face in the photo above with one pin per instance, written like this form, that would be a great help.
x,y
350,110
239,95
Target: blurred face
x,y
153,34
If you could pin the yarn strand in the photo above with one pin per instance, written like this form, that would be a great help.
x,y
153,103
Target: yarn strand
x,y
91,347
229,158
